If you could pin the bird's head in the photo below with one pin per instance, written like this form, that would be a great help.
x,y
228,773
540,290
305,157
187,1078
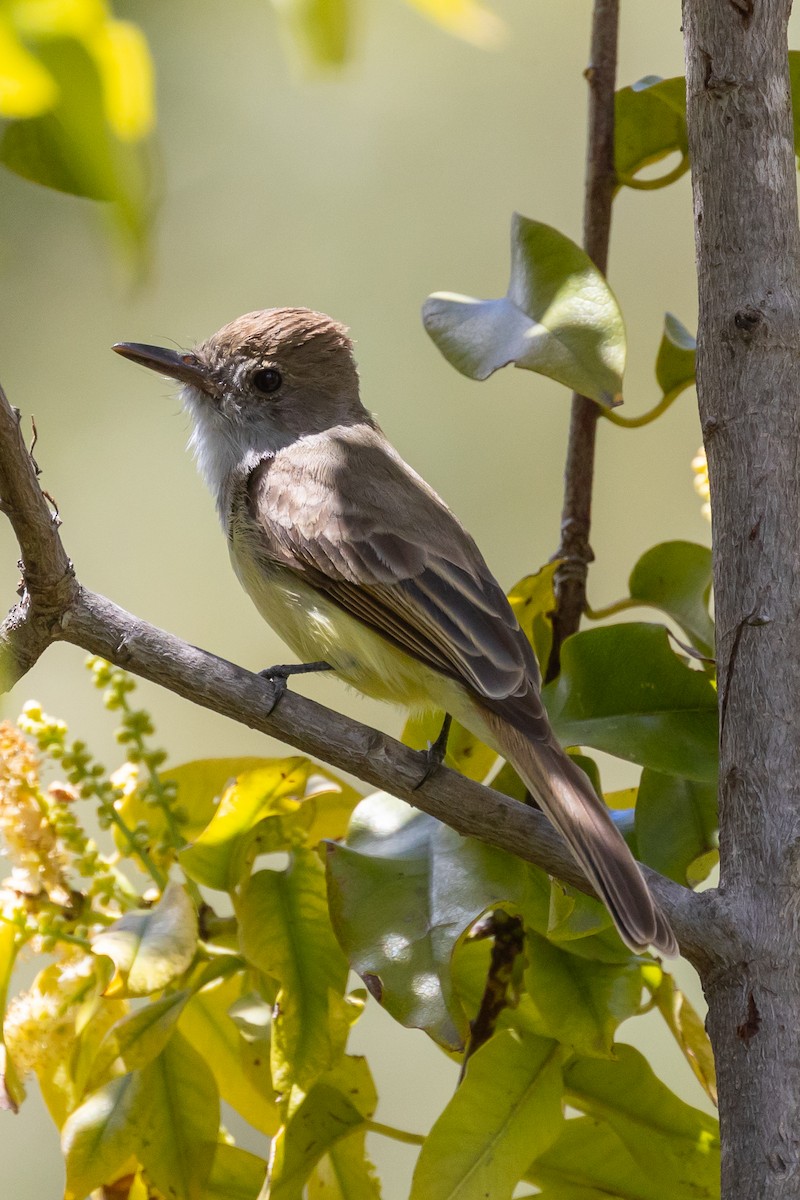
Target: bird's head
x,y
260,383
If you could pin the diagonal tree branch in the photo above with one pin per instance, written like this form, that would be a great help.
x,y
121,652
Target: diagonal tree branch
x,y
55,607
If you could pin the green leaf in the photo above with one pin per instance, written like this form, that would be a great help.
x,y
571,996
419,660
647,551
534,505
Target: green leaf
x,y
402,892
73,147
235,1175
689,1032
677,354
533,601
138,1037
507,1109
650,124
558,318
676,826
285,931
152,947
320,30
579,1002
101,1136
676,578
183,1127
241,1065
623,690
337,1104
465,753
589,1162
278,804
198,785
668,1139
345,1172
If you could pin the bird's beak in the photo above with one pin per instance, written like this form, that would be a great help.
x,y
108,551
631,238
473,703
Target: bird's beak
x,y
177,364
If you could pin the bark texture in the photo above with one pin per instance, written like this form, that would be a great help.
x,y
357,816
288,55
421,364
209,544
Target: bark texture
x,y
745,202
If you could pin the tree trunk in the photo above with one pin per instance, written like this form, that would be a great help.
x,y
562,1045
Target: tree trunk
x,y
748,248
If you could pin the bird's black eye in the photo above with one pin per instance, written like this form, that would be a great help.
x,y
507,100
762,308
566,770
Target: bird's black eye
x,y
267,380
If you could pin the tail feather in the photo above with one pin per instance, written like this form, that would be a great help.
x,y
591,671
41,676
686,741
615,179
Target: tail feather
x,y
568,799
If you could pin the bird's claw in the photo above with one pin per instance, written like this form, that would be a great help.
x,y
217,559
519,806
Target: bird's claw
x,y
434,756
279,675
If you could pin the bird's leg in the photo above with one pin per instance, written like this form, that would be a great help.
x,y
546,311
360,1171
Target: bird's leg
x,y
434,755
278,676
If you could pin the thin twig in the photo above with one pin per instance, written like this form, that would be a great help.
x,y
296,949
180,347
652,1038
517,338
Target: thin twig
x,y
576,514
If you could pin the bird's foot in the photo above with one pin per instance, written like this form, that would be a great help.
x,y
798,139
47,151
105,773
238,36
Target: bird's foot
x,y
435,753
279,675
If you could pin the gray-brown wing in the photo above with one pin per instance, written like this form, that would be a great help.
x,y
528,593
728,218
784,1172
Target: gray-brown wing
x,y
366,531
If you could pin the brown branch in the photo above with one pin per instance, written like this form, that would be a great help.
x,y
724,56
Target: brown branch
x,y
74,614
576,515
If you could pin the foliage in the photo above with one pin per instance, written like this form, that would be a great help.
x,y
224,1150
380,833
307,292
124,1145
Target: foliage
x,y
76,96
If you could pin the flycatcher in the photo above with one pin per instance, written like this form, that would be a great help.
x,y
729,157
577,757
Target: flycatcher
x,y
358,564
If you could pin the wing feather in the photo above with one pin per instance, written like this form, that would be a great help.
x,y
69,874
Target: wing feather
x,y
370,534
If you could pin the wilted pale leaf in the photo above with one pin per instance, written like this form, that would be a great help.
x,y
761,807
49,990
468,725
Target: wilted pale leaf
x,y
689,1031
558,318
151,947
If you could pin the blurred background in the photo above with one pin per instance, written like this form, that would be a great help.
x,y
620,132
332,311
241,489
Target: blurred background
x,y
357,192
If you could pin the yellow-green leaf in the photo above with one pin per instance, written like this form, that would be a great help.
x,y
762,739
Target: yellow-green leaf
x,y
666,1137
506,1112
687,1027
285,931
272,807
236,1175
337,1104
345,1172
533,601
183,1121
577,1001
151,947
102,1135
241,1067
589,1162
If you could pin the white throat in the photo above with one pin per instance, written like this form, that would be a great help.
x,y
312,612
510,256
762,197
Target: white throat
x,y
221,447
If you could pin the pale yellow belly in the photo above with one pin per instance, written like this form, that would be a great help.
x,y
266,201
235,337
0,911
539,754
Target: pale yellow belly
x,y
317,629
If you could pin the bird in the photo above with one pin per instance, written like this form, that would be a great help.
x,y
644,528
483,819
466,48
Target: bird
x,y
361,568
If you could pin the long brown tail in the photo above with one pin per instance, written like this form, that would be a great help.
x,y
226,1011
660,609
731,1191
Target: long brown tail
x,y
568,799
